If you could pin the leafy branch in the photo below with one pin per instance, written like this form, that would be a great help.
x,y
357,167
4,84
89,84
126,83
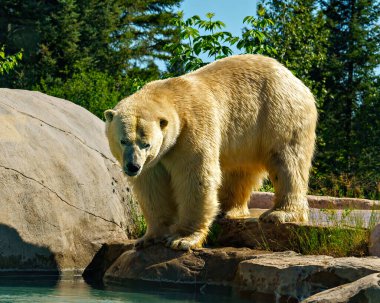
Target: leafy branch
x,y
215,42
8,62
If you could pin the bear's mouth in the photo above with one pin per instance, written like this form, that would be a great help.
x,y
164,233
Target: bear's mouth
x,y
131,174
132,169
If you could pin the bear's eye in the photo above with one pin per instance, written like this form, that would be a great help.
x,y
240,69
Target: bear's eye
x,y
163,123
123,142
145,145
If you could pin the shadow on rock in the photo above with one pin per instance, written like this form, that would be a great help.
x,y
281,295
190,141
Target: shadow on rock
x,y
18,257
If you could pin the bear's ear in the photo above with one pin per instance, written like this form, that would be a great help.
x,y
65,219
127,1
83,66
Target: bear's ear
x,y
163,123
108,114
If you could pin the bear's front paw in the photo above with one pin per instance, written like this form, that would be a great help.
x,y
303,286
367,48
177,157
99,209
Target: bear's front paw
x,y
193,241
282,216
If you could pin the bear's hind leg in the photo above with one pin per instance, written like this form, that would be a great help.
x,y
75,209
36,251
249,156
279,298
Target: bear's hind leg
x,y
289,172
235,192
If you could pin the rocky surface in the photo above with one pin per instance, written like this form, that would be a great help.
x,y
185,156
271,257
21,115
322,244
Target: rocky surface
x,y
296,276
213,266
265,200
62,193
120,262
364,290
284,275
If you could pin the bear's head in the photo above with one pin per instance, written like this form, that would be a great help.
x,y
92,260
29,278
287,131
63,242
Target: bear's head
x,y
138,138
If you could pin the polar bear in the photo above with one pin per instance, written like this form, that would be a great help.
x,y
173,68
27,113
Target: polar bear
x,y
197,145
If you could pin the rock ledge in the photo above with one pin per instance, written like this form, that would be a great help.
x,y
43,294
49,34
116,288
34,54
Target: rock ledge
x,y
286,275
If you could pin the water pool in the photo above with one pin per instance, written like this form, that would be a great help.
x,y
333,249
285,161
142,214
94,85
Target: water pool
x,y
17,289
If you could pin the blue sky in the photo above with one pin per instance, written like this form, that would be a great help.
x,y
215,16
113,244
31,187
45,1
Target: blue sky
x,y
231,12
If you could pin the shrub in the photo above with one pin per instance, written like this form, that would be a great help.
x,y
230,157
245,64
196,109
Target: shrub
x,y
96,91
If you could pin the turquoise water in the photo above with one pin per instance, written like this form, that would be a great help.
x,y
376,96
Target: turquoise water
x,y
16,289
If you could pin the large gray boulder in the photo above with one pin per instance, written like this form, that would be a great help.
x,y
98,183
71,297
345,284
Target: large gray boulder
x,y
62,194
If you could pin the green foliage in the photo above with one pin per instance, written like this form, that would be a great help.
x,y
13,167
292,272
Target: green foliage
x,y
300,38
363,185
146,30
93,90
267,186
334,47
8,62
332,241
255,38
345,233
113,36
214,43
140,226
352,56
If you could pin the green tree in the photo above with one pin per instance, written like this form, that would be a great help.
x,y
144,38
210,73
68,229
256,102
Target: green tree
x,y
147,30
300,37
19,27
352,57
366,145
333,46
62,37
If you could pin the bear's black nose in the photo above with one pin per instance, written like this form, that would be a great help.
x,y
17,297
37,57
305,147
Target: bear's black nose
x,y
133,168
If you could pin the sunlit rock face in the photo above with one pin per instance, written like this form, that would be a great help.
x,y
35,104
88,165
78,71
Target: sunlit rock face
x,y
62,194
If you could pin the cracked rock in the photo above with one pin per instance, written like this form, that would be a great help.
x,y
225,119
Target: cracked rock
x,y
62,193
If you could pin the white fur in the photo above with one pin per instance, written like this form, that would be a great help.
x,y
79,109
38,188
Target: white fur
x,y
229,124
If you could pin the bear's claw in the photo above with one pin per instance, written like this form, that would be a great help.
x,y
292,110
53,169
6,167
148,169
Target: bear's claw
x,y
181,244
282,216
184,243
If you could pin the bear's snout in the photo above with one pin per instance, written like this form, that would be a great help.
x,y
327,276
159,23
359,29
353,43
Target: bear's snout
x,y
132,169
